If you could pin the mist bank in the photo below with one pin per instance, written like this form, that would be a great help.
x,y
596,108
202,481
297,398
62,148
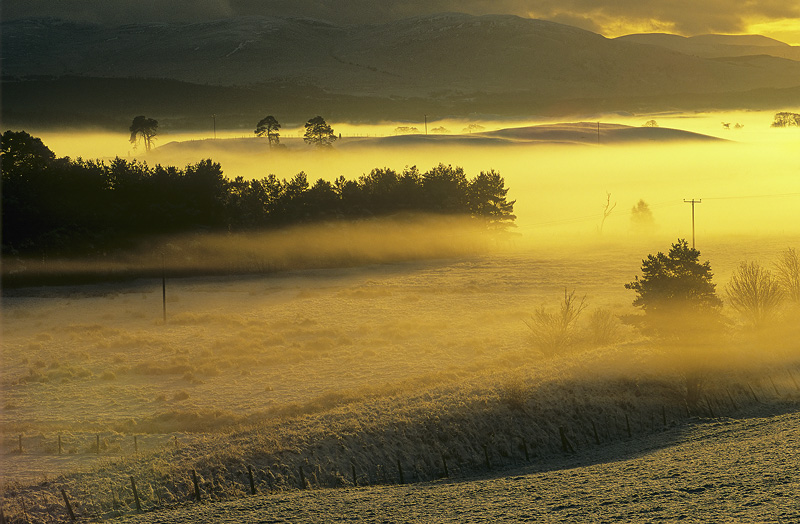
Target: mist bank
x,y
58,207
406,237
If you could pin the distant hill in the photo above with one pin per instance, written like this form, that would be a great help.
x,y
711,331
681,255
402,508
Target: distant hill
x,y
716,46
446,65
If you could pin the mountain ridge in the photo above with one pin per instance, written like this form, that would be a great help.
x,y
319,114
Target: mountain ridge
x,y
450,63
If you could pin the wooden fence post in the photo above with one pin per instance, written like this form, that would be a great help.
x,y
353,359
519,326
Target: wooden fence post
x,y
628,425
136,495
793,380
565,444
596,436
252,482
59,444
196,486
400,472
98,444
753,392
69,506
486,456
353,471
444,463
302,478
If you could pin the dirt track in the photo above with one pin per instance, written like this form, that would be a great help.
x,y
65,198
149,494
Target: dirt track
x,y
727,470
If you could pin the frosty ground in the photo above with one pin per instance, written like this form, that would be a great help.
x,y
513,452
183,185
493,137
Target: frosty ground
x,y
323,369
740,469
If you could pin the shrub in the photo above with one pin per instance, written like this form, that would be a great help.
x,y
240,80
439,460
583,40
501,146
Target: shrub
x,y
754,293
514,393
603,328
554,332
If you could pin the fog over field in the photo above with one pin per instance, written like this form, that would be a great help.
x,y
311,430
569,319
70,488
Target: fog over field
x,y
404,341
747,178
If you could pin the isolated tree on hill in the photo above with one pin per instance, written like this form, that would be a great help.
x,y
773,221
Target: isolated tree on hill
x,y
642,217
650,123
682,308
268,126
675,279
786,119
319,133
143,129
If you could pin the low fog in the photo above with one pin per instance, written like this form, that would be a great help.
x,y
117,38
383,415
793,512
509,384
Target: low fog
x,y
747,178
402,321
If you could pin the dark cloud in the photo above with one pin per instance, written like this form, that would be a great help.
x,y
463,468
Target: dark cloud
x,y
119,11
682,16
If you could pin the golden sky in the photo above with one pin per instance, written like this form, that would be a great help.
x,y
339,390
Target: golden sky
x,y
779,19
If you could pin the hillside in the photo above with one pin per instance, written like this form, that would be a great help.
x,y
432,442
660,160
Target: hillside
x,y
717,46
448,64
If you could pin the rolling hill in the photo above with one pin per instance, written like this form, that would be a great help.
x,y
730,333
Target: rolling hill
x,y
448,64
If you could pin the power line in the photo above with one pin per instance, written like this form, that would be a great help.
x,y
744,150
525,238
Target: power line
x,y
670,203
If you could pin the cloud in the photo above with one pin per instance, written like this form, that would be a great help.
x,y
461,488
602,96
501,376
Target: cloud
x,y
611,17
115,12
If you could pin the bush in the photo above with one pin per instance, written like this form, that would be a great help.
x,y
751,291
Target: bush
x,y
754,293
554,332
603,328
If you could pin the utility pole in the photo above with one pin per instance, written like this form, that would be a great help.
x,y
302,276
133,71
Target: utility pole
x,y
598,132
693,202
426,125
214,116
164,285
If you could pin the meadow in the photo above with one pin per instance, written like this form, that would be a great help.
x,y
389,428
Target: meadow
x,y
377,346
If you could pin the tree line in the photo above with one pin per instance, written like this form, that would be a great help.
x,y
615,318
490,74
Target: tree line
x,y
61,206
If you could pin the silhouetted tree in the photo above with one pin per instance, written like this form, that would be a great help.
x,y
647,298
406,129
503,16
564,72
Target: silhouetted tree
x,y
682,308
269,126
675,282
319,133
486,194
57,206
445,189
144,129
642,217
786,119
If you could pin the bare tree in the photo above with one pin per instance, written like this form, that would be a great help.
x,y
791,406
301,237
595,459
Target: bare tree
x,y
754,293
788,274
554,332
609,207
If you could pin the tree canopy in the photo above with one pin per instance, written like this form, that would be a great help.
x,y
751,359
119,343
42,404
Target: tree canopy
x,y
59,205
786,119
269,126
319,133
675,280
143,129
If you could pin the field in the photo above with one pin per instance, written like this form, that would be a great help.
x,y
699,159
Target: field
x,y
380,368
